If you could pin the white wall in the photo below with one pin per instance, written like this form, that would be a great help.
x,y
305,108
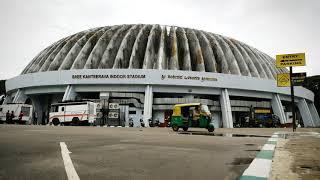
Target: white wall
x,y
216,119
158,115
153,77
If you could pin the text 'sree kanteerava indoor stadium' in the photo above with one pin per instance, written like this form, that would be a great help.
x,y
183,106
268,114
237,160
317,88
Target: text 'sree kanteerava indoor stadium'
x,y
147,69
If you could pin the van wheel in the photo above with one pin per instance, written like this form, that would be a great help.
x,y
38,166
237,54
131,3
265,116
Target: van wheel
x,y
175,127
210,129
185,128
55,121
75,121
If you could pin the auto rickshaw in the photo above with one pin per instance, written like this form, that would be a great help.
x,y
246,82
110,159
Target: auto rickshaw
x,y
191,115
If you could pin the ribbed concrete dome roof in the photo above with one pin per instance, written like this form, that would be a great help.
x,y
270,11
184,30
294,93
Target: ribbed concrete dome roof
x,y
154,47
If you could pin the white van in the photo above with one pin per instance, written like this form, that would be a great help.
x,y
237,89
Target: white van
x,y
26,110
75,113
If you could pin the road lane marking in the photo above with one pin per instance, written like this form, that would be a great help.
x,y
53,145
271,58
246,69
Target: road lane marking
x,y
273,139
271,142
68,165
258,168
269,147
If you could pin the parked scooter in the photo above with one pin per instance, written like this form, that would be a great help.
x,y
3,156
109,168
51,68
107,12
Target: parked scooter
x,y
131,122
142,123
151,123
169,124
155,123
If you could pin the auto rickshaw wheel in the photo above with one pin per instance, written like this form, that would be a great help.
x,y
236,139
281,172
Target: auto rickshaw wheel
x,y
185,128
175,127
210,129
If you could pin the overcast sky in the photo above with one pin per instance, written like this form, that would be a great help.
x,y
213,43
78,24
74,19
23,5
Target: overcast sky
x,y
272,26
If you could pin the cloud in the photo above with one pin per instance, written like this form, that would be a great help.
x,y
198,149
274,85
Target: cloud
x,y
271,26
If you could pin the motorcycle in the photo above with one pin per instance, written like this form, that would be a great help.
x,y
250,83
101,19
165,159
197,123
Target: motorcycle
x,y
142,123
154,124
131,122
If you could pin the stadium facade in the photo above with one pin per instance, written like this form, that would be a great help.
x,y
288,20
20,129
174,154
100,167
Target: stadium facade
x,y
149,68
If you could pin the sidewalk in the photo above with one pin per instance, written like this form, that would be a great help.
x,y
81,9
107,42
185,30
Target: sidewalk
x,y
297,156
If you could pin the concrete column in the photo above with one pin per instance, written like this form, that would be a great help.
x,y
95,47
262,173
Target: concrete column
x,y
314,114
38,108
226,109
148,102
126,116
278,108
70,94
7,99
20,97
305,113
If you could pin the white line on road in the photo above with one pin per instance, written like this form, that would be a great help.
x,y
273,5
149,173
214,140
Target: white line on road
x,y
258,168
269,147
68,165
273,139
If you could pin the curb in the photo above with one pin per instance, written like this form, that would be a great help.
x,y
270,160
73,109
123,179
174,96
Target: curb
x,y
260,167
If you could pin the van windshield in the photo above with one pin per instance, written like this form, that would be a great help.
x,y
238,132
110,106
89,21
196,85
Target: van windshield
x,y
54,109
25,110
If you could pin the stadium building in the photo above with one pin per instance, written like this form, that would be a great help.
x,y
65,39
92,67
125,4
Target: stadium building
x,y
149,68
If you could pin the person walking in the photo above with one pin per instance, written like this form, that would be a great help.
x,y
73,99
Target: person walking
x,y
35,118
11,117
20,117
7,116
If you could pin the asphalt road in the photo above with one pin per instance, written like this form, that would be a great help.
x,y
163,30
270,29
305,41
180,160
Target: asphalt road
x,y
33,152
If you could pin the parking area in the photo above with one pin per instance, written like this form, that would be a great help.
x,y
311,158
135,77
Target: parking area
x,y
34,152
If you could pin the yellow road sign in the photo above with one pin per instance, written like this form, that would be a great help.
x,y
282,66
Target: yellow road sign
x,y
283,80
287,60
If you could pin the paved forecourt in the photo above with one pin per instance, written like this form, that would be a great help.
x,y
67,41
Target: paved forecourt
x,y
46,152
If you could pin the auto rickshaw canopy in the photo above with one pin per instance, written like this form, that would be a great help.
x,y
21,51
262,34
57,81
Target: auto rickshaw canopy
x,y
177,108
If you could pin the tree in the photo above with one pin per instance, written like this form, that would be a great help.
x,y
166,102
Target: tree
x,y
2,87
313,84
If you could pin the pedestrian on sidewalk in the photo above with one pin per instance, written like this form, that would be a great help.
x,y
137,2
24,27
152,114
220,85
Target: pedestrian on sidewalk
x,y
20,116
7,116
11,117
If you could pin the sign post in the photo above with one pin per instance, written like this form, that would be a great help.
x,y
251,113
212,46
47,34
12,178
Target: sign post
x,y
292,102
289,60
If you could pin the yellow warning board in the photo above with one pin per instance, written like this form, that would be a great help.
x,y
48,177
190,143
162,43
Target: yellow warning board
x,y
283,80
262,111
287,60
